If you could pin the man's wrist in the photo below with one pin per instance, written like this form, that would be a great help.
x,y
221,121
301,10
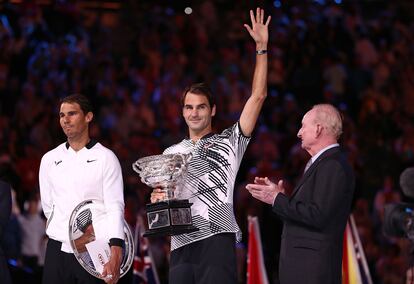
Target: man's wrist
x,y
116,242
261,46
274,200
261,51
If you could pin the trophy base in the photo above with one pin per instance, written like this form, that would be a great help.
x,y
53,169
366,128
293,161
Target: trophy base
x,y
171,231
168,218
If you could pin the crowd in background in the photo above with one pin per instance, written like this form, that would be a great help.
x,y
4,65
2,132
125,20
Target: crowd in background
x,y
134,63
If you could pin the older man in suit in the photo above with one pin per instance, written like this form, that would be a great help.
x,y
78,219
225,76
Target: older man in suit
x,y
316,213
5,209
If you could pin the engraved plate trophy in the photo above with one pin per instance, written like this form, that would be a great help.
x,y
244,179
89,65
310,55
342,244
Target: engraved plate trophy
x,y
171,216
89,238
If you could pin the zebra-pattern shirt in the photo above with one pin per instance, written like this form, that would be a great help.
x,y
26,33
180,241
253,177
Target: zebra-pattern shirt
x,y
209,184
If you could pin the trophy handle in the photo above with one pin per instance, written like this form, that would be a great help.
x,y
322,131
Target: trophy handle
x,y
136,168
188,157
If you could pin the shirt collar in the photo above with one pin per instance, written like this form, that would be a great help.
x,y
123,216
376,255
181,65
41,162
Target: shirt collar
x,y
208,135
314,157
88,145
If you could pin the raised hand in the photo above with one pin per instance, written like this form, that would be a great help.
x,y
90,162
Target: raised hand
x,y
259,30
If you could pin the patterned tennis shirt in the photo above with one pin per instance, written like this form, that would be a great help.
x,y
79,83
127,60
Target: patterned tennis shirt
x,y
209,184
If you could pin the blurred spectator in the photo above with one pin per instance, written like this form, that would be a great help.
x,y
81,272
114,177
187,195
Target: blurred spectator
x,y
5,210
385,195
33,229
12,239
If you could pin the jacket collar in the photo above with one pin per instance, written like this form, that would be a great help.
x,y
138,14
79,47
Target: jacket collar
x,y
314,165
88,145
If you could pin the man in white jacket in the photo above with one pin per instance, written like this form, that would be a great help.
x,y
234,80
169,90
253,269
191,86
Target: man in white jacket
x,y
77,170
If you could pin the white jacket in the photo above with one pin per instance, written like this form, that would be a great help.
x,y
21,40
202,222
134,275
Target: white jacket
x,y
67,177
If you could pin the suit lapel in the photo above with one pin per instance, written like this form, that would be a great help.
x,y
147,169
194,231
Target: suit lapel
x,y
313,167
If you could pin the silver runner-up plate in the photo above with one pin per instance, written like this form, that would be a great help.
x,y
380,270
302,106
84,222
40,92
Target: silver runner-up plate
x,y
89,238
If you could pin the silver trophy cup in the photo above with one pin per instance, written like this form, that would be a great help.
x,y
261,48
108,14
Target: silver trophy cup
x,y
171,216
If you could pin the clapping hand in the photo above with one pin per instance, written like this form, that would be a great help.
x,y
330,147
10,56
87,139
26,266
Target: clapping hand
x,y
264,190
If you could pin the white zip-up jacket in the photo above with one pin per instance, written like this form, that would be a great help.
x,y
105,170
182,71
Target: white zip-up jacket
x,y
67,177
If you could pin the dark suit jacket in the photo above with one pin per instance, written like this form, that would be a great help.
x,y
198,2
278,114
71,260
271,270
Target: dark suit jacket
x,y
5,209
314,218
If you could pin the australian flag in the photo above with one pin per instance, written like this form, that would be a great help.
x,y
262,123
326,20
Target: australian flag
x,y
144,270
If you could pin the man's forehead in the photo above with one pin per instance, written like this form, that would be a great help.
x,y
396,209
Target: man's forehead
x,y
65,107
195,99
309,115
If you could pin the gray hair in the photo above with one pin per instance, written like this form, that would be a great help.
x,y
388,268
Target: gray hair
x,y
330,118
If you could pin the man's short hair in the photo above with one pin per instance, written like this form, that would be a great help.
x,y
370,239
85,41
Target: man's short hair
x,y
330,118
81,100
201,89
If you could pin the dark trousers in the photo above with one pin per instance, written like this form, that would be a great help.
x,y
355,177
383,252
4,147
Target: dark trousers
x,y
63,268
209,261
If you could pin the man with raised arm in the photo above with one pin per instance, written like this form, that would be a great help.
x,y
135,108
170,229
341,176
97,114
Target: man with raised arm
x,y
209,255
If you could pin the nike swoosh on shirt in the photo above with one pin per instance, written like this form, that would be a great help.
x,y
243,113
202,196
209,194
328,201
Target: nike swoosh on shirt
x,y
58,162
208,145
90,161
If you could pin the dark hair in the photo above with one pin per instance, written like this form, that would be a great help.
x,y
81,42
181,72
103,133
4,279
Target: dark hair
x,y
81,100
201,89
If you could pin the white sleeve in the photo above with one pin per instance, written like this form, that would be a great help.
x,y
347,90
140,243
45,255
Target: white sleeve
x,y
113,196
45,186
